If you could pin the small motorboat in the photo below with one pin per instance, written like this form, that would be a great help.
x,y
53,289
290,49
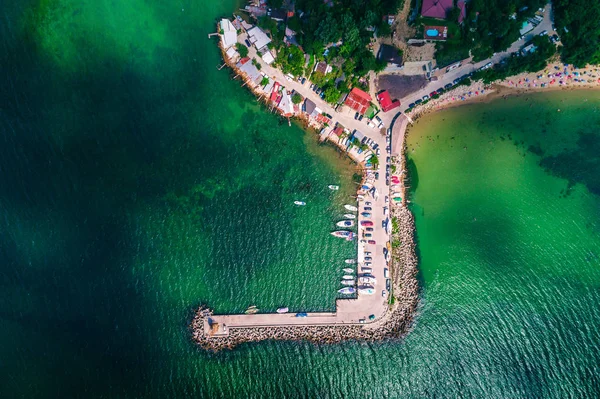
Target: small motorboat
x,y
251,310
300,203
345,223
333,187
348,277
347,290
351,208
349,216
348,282
350,261
348,270
283,310
342,233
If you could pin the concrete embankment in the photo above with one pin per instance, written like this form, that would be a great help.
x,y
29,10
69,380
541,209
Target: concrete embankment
x,y
393,324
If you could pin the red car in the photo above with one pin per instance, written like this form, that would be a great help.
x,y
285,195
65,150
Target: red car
x,y
372,242
366,223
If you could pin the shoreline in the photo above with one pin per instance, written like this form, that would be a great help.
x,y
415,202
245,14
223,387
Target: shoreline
x,y
398,317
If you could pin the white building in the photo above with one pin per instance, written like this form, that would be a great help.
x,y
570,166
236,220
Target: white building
x,y
258,38
229,35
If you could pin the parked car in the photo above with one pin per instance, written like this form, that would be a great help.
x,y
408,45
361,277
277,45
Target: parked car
x,y
368,258
419,101
411,105
369,229
425,97
378,119
372,242
368,235
368,208
360,118
448,86
303,80
544,33
368,203
366,223
356,116
378,152
302,314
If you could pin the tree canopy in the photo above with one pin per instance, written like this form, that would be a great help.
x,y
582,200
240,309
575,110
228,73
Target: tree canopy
x,y
581,38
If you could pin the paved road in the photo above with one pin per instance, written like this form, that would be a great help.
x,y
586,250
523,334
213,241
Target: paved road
x,y
545,25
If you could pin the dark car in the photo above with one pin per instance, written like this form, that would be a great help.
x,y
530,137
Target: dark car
x,y
419,101
449,85
247,43
356,115
411,105
376,146
301,314
360,118
303,80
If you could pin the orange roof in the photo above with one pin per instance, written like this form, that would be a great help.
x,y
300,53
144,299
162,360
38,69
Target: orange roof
x,y
358,92
358,100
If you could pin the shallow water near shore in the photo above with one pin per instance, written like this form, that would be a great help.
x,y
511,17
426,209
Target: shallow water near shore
x,y
138,181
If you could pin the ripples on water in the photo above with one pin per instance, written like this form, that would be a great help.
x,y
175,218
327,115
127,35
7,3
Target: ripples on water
x,y
133,189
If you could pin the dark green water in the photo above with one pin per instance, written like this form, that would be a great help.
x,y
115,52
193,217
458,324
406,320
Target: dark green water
x,y
137,181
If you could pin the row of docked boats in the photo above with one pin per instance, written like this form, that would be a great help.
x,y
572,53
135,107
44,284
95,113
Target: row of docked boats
x,y
253,310
366,289
348,222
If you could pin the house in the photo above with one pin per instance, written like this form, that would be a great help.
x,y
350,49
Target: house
x,y
285,104
229,35
231,53
268,58
322,67
389,54
436,8
258,38
278,14
249,69
386,101
338,131
309,106
358,100
435,32
389,19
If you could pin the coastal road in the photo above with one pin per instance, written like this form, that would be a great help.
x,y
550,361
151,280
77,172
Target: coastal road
x,y
449,77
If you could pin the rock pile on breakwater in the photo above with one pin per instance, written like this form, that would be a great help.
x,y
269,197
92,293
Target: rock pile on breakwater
x,y
394,324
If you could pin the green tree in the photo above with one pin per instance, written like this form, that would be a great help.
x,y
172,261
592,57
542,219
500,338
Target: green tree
x,y
241,49
264,81
296,98
332,94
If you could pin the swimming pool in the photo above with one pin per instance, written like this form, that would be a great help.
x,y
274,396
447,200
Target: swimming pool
x,y
432,32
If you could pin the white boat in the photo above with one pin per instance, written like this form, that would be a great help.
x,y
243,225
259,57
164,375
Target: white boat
x,y
351,208
350,261
333,187
345,223
347,290
300,203
348,282
348,270
367,290
367,280
283,310
348,277
342,233
349,216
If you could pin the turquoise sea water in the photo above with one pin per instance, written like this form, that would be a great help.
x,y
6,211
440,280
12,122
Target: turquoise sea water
x,y
137,181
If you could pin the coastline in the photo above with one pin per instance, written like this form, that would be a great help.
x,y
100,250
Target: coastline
x,y
398,317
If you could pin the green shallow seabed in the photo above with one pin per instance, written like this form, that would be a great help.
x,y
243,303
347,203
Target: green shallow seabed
x,y
137,182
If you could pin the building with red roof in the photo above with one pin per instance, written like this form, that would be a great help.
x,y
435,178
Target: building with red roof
x,y
436,8
358,100
386,101
338,131
462,4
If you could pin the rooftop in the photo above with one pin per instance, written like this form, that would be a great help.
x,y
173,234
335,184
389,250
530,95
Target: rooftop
x,y
436,8
358,100
258,37
229,36
389,54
